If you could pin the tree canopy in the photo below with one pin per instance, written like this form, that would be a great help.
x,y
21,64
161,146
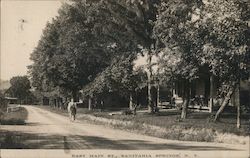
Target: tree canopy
x,y
20,87
82,41
91,45
213,33
118,77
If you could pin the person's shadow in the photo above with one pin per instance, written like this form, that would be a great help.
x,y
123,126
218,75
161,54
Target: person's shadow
x,y
66,145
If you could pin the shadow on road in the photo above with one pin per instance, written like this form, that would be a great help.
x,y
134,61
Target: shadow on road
x,y
18,140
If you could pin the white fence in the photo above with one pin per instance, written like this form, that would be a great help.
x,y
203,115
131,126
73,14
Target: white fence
x,y
12,108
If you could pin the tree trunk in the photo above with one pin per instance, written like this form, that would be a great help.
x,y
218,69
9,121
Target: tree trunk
x,y
184,108
173,91
186,100
225,101
237,104
131,102
150,103
90,103
158,95
102,105
74,96
238,116
55,103
211,101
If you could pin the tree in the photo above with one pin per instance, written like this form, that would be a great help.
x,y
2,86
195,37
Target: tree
x,y
205,34
118,77
175,31
68,55
20,88
41,57
134,18
77,45
227,44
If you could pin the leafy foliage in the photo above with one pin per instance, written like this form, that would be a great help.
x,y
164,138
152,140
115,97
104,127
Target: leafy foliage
x,y
20,87
83,40
118,77
175,30
70,58
206,32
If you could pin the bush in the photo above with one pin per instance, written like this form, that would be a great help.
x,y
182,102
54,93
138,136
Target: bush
x,y
245,109
3,104
127,112
14,118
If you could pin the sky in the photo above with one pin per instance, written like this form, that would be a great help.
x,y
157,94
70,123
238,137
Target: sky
x,y
22,23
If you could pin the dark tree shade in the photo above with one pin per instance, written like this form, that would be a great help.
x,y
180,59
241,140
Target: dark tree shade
x,y
20,87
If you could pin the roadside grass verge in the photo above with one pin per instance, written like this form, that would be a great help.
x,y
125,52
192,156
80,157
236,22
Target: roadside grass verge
x,y
166,124
15,117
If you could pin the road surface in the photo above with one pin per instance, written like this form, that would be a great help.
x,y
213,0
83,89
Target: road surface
x,y
47,130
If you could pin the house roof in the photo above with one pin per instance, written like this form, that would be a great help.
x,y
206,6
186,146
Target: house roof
x,y
10,98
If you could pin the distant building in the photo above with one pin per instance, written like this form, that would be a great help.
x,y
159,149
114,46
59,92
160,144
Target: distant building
x,y
11,100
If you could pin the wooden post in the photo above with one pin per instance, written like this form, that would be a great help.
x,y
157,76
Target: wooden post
x,y
211,101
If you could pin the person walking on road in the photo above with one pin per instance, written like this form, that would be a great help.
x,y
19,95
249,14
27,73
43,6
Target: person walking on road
x,y
72,110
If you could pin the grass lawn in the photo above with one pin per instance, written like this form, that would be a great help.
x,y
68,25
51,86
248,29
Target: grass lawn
x,y
10,140
166,124
15,117
166,119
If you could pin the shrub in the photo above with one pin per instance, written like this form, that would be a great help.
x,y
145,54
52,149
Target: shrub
x,y
3,104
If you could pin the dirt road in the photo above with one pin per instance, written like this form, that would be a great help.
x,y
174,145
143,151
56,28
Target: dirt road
x,y
47,130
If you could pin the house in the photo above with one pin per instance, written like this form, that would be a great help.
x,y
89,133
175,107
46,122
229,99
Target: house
x,y
203,91
11,100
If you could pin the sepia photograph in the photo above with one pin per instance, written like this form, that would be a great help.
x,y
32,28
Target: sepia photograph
x,y
125,79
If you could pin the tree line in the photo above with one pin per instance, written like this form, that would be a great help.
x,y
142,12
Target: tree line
x,y
91,45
